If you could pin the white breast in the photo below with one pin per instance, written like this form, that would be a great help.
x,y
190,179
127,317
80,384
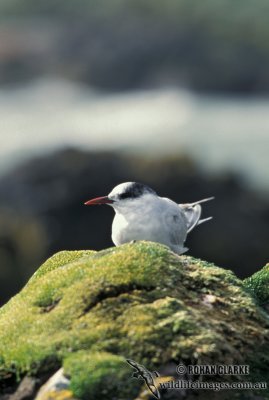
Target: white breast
x,y
150,218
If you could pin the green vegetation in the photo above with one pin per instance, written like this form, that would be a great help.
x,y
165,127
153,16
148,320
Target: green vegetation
x,y
258,284
90,311
99,374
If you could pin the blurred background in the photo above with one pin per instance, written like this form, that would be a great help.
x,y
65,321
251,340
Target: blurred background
x,y
93,93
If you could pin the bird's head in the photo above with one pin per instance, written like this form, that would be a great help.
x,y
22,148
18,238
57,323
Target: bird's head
x,y
124,195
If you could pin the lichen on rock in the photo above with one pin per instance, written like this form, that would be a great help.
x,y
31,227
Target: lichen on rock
x,y
89,311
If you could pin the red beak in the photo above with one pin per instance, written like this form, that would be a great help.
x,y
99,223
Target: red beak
x,y
98,200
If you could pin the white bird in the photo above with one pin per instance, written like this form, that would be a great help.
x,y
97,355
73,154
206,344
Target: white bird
x,y
142,215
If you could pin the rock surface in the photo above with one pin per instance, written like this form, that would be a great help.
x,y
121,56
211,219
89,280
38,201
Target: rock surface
x,y
58,383
88,311
258,284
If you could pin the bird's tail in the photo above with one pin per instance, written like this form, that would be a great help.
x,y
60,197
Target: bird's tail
x,y
193,213
200,201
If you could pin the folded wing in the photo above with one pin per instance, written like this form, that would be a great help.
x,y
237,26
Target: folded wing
x,y
193,213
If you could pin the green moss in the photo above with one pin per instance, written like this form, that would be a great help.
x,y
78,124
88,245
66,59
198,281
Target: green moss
x,y
98,376
258,285
59,260
90,311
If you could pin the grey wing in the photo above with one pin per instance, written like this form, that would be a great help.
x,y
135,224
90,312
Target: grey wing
x,y
192,212
177,227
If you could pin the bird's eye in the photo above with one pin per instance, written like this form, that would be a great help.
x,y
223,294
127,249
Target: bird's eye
x,y
123,196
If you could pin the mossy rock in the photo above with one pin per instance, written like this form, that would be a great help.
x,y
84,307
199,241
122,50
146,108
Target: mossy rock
x,y
91,311
258,285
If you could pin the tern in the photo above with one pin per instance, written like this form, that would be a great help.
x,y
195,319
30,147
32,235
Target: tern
x,y
140,214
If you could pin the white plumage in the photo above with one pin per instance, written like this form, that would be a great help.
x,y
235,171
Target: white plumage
x,y
142,215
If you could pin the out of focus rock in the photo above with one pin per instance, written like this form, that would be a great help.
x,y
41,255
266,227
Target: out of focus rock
x,y
56,387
